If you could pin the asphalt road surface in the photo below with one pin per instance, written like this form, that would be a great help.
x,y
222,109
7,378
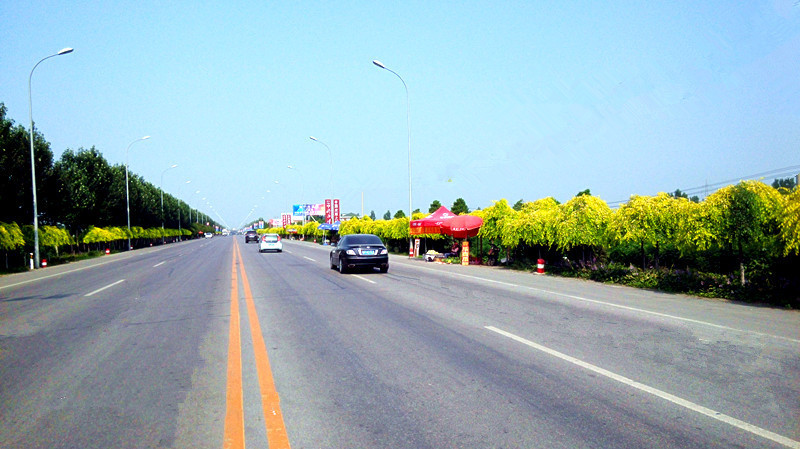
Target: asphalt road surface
x,y
210,344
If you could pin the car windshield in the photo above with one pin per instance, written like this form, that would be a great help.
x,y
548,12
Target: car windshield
x,y
271,238
363,240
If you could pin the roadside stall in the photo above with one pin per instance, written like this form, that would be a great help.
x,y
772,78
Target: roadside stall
x,y
462,227
432,223
428,225
333,229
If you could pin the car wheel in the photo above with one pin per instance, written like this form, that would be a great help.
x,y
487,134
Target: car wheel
x,y
384,269
333,265
342,268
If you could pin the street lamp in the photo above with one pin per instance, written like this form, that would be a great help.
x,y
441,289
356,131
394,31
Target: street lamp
x,y
279,199
408,124
127,189
161,187
180,235
196,211
190,207
330,155
63,51
302,191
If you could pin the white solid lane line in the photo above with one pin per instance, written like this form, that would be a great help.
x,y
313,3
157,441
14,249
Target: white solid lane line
x,y
308,258
158,264
655,392
618,306
103,288
364,279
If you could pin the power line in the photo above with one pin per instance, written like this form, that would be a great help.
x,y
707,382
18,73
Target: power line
x,y
777,173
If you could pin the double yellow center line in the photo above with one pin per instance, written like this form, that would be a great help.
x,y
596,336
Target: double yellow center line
x,y
270,402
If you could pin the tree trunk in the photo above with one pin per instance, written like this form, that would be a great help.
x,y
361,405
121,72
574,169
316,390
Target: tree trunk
x,y
657,248
644,261
741,271
741,264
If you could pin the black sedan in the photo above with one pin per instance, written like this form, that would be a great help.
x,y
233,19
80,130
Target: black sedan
x,y
251,236
360,250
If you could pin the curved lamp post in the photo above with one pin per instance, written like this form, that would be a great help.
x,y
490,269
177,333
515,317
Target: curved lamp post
x,y
330,155
127,189
180,236
408,124
302,191
278,201
63,51
161,188
196,212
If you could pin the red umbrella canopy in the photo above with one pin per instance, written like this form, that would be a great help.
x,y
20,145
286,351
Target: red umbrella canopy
x,y
432,223
462,226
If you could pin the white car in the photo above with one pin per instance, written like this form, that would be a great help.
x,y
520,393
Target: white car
x,y
270,242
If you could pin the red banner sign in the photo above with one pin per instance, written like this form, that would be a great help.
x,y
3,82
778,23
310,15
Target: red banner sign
x,y
336,216
328,212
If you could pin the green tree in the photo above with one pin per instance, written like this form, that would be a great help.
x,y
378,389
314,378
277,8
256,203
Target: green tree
x,y
494,218
790,223
786,183
54,237
648,220
397,229
744,219
518,205
459,207
11,236
582,222
372,215
435,205
680,194
534,224
11,240
584,192
84,180
400,214
387,215
16,198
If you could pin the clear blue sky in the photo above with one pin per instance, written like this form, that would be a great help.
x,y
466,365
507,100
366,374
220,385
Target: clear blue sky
x,y
515,100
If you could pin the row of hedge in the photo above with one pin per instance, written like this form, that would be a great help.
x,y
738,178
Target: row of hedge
x,y
742,242
16,242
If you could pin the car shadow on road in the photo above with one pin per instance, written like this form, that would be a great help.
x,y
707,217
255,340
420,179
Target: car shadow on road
x,y
43,298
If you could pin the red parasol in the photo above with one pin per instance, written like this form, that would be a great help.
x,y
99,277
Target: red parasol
x,y
462,226
432,223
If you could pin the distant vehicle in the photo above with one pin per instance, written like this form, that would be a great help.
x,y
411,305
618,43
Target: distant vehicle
x,y
208,235
251,236
270,242
360,250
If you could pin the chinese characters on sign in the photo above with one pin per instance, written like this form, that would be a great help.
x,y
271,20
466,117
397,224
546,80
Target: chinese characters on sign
x,y
328,212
